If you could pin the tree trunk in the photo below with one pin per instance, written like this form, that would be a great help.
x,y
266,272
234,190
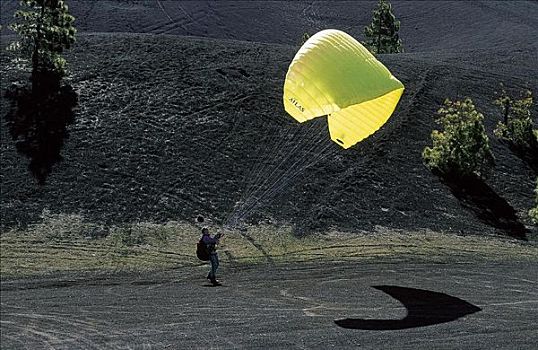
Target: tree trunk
x,y
379,35
35,55
506,111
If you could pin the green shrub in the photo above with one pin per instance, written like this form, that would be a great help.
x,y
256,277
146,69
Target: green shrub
x,y
305,38
462,148
516,128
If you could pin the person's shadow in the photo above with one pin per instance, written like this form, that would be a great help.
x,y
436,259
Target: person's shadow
x,y
38,125
424,308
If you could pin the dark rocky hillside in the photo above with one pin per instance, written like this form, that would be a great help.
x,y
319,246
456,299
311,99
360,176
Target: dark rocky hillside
x,y
426,25
168,127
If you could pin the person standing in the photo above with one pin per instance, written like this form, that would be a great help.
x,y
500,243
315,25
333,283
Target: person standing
x,y
211,246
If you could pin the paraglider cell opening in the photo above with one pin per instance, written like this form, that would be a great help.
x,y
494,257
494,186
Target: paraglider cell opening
x,y
340,141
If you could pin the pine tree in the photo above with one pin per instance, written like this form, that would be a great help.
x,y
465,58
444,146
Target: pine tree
x,y
45,28
462,148
517,126
40,112
382,34
305,38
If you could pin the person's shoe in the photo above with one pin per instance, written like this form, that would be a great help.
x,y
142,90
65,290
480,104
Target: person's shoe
x,y
209,276
216,283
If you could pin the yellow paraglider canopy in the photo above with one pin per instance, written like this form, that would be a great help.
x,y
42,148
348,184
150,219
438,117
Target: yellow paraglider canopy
x,y
333,74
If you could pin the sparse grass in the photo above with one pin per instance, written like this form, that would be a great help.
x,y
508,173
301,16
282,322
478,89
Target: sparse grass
x,y
62,243
66,244
282,246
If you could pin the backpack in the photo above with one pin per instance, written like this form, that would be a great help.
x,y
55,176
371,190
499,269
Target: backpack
x,y
201,251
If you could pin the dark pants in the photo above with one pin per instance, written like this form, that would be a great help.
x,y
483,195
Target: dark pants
x,y
214,260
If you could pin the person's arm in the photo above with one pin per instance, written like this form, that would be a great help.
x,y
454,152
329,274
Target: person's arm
x,y
212,240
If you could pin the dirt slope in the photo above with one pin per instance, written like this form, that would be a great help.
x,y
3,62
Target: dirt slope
x,y
426,25
169,127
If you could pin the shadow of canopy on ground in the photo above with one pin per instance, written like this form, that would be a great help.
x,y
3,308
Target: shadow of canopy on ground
x,y
424,308
528,155
476,195
38,125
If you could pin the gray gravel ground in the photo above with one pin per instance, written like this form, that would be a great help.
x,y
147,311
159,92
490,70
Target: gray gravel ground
x,y
288,307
